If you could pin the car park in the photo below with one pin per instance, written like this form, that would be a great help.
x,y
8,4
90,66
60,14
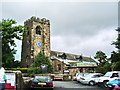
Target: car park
x,y
108,77
90,78
44,82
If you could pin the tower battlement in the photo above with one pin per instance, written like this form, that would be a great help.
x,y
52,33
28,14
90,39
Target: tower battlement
x,y
36,19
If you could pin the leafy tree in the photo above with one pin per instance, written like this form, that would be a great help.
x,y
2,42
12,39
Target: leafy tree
x,y
103,67
104,64
115,56
117,42
9,32
100,56
16,63
40,59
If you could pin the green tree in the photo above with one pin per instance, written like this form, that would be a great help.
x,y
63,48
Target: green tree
x,y
16,63
104,64
40,59
9,32
115,55
117,42
100,56
113,63
103,67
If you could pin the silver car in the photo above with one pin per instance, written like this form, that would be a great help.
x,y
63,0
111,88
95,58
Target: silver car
x,y
90,78
80,75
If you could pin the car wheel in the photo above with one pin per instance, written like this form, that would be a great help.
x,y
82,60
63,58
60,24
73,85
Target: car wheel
x,y
91,83
105,84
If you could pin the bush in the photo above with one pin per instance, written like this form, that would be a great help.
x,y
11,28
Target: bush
x,y
34,70
40,59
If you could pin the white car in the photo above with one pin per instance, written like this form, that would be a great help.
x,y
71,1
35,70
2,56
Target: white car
x,y
108,77
90,78
80,75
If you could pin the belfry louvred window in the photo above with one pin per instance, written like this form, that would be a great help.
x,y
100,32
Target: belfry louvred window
x,y
38,30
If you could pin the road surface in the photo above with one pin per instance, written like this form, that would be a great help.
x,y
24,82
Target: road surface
x,y
74,85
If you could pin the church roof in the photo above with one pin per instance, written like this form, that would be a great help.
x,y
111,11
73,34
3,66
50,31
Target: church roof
x,y
72,56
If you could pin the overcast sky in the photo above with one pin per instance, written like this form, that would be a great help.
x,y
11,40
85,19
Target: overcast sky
x,y
76,27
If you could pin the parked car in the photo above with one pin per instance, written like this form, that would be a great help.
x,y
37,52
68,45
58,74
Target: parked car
x,y
113,84
90,78
80,75
41,82
108,77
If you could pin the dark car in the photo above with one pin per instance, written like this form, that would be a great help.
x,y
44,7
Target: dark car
x,y
44,82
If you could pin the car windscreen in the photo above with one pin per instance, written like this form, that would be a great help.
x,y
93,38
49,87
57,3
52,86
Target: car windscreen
x,y
42,78
108,74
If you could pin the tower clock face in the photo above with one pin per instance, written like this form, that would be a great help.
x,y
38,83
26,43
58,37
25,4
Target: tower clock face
x,y
38,43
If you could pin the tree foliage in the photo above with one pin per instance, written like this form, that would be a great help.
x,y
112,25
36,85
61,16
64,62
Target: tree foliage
x,y
104,64
115,55
103,67
9,32
40,59
117,42
112,63
100,56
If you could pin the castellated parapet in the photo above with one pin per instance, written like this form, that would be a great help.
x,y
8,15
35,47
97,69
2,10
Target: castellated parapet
x,y
42,21
36,39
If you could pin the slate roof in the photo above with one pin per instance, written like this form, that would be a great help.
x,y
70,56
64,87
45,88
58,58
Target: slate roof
x,y
72,56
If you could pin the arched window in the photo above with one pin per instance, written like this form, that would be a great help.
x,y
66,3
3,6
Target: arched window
x,y
38,31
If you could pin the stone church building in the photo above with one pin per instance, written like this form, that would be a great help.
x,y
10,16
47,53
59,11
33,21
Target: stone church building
x,y
37,39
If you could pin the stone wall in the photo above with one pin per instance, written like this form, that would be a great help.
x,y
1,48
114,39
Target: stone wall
x,y
73,71
58,66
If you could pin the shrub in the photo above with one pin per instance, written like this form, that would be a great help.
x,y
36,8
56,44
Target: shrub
x,y
40,59
34,70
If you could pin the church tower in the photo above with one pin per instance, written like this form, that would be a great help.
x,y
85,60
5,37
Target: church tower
x,y
36,39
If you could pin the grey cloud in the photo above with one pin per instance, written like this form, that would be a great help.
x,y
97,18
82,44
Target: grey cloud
x,y
85,45
80,17
92,17
72,24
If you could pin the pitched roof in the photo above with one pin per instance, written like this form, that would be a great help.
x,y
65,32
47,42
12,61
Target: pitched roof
x,y
72,56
